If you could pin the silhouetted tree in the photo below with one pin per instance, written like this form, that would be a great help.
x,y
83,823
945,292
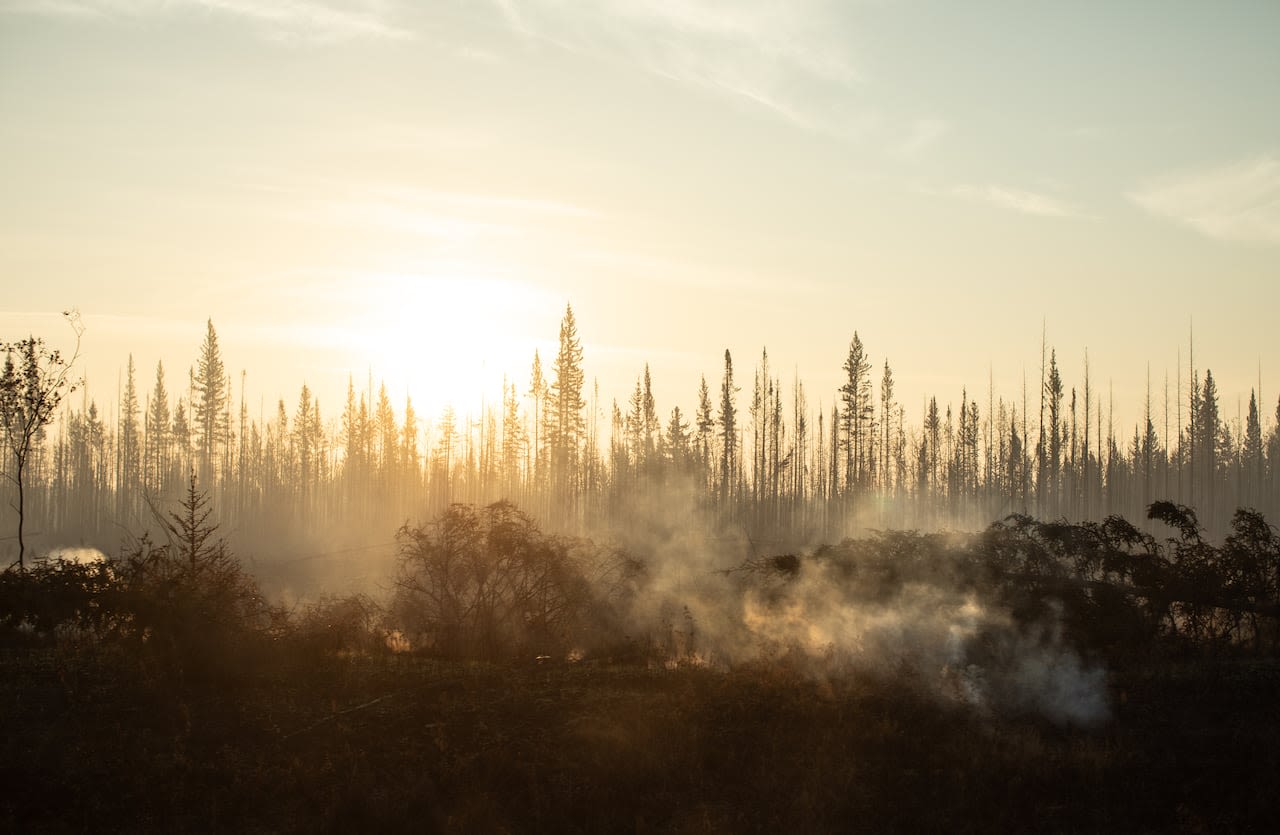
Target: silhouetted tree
x,y
388,430
800,448
1273,459
649,428
855,394
158,431
933,440
34,381
538,394
513,439
1053,390
307,442
209,384
130,476
676,442
728,431
567,421
188,600
706,425
1208,429
1252,456
886,409
409,455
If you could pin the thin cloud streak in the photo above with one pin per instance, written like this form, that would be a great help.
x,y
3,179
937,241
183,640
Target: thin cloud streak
x,y
923,134
645,268
454,217
308,21
409,197
1239,202
426,214
783,58
1017,200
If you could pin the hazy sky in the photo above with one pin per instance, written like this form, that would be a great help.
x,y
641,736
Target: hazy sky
x,y
420,187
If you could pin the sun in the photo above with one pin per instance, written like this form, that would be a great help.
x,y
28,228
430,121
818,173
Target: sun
x,y
444,340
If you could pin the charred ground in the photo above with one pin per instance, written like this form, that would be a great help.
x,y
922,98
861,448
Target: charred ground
x,y
139,696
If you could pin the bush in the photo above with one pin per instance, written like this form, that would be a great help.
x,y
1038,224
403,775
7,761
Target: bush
x,y
486,583
60,594
188,602
336,625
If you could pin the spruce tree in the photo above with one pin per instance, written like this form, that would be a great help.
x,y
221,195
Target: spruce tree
x,y
158,431
706,423
568,422
209,383
728,431
130,443
855,394
1252,455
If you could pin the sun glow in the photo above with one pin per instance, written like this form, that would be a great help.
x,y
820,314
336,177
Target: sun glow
x,y
443,340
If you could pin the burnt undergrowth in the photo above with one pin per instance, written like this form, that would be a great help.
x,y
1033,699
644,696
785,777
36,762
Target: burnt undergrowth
x,y
160,692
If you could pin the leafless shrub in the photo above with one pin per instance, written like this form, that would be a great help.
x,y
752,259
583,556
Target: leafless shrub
x,y
486,583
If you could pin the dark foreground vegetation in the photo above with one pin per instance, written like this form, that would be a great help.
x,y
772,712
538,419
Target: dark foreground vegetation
x,y
505,687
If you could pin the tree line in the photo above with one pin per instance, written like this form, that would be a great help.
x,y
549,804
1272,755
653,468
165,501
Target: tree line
x,y
752,455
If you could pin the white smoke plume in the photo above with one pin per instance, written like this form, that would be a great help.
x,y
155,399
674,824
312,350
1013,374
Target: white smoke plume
x,y
942,633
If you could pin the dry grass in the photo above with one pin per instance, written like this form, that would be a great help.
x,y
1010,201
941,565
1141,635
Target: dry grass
x,y
404,743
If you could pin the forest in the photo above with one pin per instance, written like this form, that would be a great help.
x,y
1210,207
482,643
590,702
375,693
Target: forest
x,y
745,619
749,451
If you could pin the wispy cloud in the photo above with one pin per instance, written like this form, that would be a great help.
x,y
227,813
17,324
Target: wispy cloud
x,y
922,134
786,58
498,202
1017,200
308,21
1236,202
638,268
438,222
455,203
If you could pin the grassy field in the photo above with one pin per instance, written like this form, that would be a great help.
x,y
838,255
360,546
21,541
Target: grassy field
x,y
404,743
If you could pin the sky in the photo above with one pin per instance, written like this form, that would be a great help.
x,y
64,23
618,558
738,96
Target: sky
x,y
413,192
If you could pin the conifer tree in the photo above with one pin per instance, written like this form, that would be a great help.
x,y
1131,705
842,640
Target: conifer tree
x,y
1053,391
352,438
512,438
181,438
388,436
800,449
130,443
649,418
158,433
855,394
1208,430
446,446
409,455
886,409
728,431
933,437
209,384
1252,455
1273,459
706,427
538,393
306,440
635,430
676,443
567,421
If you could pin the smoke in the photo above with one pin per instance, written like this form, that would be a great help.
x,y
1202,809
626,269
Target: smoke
x,y
1036,669
77,554
918,608
891,606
